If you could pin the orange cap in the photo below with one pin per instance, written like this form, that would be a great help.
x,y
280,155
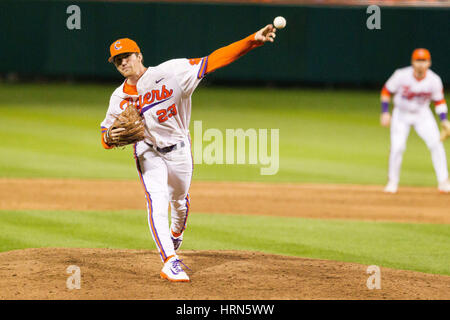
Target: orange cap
x,y
123,46
421,54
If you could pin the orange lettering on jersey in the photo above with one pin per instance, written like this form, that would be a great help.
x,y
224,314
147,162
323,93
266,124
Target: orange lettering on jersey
x,y
166,93
408,94
126,101
164,115
139,105
147,99
156,94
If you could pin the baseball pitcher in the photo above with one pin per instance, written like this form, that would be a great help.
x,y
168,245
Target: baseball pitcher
x,y
413,88
152,109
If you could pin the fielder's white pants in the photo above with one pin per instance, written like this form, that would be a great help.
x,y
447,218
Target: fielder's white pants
x,y
166,178
425,125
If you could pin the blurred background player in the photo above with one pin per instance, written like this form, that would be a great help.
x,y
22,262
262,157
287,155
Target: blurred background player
x,y
413,88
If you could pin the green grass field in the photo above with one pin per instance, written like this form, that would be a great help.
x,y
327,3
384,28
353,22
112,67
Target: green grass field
x,y
325,136
420,247
53,131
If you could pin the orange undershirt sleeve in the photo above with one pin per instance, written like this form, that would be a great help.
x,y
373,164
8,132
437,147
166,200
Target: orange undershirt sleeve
x,y
385,93
106,146
226,55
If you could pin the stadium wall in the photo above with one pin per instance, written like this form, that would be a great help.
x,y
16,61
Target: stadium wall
x,y
321,44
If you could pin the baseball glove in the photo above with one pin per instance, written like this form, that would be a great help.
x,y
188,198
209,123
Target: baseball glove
x,y
128,128
445,130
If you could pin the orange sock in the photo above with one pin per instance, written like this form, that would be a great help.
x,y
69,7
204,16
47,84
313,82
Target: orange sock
x,y
176,235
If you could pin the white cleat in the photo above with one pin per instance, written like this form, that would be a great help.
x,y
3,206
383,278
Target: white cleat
x,y
172,270
391,187
444,186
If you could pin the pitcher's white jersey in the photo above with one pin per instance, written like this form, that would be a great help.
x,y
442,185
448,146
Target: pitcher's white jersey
x,y
163,98
413,95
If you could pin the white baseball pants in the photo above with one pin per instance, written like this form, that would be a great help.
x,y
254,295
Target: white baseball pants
x,y
426,127
166,178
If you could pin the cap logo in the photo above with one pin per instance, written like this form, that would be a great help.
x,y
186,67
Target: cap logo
x,y
117,45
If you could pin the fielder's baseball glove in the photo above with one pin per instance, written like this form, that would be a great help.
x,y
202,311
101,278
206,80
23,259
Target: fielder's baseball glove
x,y
445,130
128,128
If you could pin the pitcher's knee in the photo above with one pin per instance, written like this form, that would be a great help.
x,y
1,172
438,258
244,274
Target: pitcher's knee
x,y
435,144
398,149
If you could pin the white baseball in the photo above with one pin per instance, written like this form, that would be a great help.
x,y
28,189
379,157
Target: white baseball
x,y
279,22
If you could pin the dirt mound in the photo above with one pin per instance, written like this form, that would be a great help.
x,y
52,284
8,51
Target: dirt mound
x,y
324,201
222,275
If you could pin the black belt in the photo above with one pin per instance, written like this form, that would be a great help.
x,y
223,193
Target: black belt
x,y
169,148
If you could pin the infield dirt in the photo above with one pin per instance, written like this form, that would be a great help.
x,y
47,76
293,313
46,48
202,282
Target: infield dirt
x,y
220,275
322,201
134,274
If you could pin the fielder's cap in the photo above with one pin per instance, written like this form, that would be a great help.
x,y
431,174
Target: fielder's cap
x,y
124,45
421,54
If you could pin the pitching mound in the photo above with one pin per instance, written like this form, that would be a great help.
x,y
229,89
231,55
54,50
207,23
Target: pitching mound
x,y
221,275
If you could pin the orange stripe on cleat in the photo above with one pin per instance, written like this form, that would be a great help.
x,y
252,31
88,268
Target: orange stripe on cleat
x,y
165,276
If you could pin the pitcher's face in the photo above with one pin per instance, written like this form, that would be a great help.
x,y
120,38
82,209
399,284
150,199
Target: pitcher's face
x,y
128,64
